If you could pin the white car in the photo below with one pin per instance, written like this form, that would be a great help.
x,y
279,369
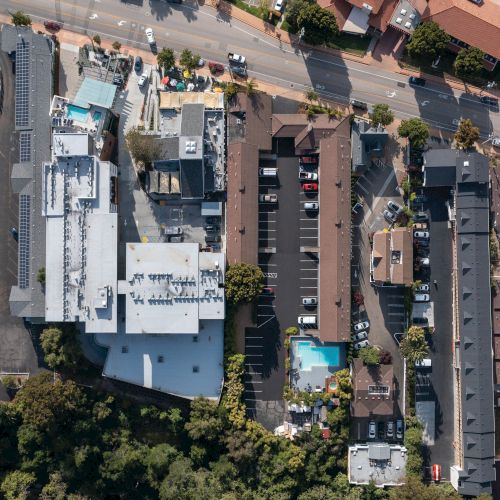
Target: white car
x,y
496,142
424,235
360,345
310,301
424,261
142,79
356,337
278,5
424,287
268,198
201,62
358,327
371,430
421,297
150,36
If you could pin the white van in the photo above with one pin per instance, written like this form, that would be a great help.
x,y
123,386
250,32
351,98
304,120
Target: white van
x,y
307,320
425,363
268,172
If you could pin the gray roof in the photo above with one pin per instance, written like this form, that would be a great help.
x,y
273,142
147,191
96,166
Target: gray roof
x,y
193,116
366,142
169,148
192,179
474,299
33,97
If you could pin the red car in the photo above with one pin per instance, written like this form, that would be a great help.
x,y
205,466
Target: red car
x,y
268,290
309,159
52,25
215,68
311,186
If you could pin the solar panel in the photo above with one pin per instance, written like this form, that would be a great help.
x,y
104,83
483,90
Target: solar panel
x,y
25,146
24,240
22,83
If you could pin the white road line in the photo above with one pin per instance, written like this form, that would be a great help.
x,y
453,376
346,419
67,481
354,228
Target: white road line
x,y
396,305
266,264
251,399
362,188
266,305
265,315
254,364
309,260
253,390
253,355
267,321
254,337
308,237
310,287
251,382
308,269
309,228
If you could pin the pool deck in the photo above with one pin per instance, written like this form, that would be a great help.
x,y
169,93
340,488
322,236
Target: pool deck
x,y
313,379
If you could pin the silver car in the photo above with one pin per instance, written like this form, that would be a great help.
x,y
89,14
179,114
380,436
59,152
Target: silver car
x,y
310,301
360,345
355,337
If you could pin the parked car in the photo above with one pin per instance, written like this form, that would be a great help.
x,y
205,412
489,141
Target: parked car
x,y
421,297
307,320
268,198
201,62
394,207
267,290
424,287
213,219
142,79
360,345
118,80
390,429
14,233
399,429
415,80
424,261
496,142
174,230
421,226
421,234
309,159
137,63
489,101
310,301
215,68
389,216
52,25
420,217
355,337
150,36
311,205
363,325
175,239
308,176
422,251
358,104
423,243
356,207
279,5
212,238
371,430
310,186
381,430
212,228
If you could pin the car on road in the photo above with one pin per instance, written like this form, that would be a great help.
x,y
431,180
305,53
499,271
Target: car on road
x,y
310,301
150,36
310,186
311,205
142,79
52,25
363,325
268,198
389,216
308,176
14,233
267,290
489,101
415,80
420,217
358,104
424,235
399,429
371,429
394,207
424,287
496,142
137,64
356,337
421,297
360,345
212,219
424,261
390,429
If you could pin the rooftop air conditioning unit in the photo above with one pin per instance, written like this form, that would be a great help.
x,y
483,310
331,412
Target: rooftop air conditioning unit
x,y
399,20
403,12
408,25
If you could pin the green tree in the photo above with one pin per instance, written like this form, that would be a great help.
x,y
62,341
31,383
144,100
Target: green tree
x,y
40,276
370,355
319,24
166,58
311,95
206,421
183,483
55,489
188,60
61,348
381,115
19,18
427,41
344,385
251,87
143,148
175,419
243,283
292,330
231,91
16,485
117,46
416,130
466,134
468,62
234,389
158,460
414,346
293,9
97,40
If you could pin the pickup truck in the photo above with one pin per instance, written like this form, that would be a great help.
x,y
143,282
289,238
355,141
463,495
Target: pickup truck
x,y
308,176
236,59
173,230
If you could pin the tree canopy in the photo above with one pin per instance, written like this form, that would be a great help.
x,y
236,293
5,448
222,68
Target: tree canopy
x,y
189,60
319,24
468,62
243,283
143,148
381,115
414,346
61,347
428,41
370,355
466,134
166,58
416,130
19,18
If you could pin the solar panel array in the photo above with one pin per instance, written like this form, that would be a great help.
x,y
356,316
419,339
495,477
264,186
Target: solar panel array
x,y
24,240
22,83
25,146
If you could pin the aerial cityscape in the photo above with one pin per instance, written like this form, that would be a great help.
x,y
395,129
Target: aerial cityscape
x,y
251,249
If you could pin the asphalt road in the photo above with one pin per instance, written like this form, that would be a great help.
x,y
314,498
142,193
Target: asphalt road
x,y
212,36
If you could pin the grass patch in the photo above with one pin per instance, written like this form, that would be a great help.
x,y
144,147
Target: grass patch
x,y
445,69
285,26
350,43
247,8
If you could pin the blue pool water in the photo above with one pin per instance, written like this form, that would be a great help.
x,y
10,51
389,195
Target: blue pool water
x,y
96,116
77,113
311,355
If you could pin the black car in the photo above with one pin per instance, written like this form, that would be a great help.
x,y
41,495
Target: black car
x,y
420,217
211,228
415,80
174,1
138,64
213,219
489,101
381,430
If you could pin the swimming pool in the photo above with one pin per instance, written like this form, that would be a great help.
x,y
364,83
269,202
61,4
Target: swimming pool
x,y
77,113
311,355
96,116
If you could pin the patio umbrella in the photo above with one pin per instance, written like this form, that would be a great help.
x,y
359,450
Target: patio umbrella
x,y
165,80
186,73
173,82
180,86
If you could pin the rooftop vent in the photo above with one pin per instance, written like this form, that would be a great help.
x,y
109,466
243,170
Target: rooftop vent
x,y
190,146
412,16
408,25
403,12
399,20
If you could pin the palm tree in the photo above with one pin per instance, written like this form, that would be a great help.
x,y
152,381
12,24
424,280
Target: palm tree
x,y
311,95
251,87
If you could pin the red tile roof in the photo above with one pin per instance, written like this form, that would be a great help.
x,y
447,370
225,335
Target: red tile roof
x,y
374,4
477,25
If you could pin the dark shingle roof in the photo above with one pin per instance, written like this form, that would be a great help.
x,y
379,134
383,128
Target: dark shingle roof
x,y
192,179
193,116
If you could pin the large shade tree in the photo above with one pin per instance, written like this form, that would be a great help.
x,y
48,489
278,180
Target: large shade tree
x,y
381,115
414,346
466,134
243,282
427,41
416,130
468,62
319,24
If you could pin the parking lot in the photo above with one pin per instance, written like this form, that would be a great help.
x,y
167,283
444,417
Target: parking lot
x,y
284,227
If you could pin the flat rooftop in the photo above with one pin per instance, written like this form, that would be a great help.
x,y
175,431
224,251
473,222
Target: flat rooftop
x,y
170,287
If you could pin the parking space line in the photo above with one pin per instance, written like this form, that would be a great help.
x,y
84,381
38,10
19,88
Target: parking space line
x,y
267,321
310,287
308,237
362,188
396,305
254,337
254,355
308,228
309,260
267,264
254,382
315,278
266,305
308,268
